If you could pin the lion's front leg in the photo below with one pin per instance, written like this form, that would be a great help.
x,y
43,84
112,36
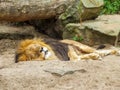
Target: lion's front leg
x,y
108,52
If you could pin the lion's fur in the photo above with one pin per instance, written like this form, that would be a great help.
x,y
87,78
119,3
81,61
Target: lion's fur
x,y
30,49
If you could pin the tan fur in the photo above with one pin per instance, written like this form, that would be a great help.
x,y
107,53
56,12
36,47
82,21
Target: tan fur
x,y
31,50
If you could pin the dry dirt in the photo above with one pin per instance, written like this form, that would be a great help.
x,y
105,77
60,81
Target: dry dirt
x,y
56,75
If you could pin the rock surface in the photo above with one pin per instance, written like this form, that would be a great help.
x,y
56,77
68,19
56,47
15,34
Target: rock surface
x,y
20,10
105,29
17,32
60,75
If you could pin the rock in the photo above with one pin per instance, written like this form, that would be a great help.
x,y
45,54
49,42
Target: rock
x,y
105,29
26,10
21,10
62,71
35,75
18,32
81,10
14,32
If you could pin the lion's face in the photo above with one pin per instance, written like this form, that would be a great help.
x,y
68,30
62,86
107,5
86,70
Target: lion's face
x,y
37,51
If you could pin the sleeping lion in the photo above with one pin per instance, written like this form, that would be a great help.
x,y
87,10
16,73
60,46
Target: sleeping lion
x,y
49,49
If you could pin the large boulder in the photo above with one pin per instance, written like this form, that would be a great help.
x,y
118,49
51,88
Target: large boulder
x,y
105,29
22,10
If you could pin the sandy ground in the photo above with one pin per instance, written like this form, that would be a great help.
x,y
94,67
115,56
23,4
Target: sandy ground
x,y
7,51
56,75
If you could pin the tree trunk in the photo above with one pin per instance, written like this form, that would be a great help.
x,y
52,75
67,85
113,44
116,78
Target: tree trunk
x,y
22,10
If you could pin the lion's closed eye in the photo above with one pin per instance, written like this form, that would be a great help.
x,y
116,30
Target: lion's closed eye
x,y
45,52
41,50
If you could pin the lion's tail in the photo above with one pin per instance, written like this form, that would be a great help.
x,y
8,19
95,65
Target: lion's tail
x,y
101,46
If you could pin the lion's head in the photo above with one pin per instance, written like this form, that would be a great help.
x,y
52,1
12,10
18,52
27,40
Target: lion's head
x,y
32,50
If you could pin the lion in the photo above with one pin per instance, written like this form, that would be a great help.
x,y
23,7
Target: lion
x,y
50,49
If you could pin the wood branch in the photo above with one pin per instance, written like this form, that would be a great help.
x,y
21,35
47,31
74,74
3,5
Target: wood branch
x,y
22,10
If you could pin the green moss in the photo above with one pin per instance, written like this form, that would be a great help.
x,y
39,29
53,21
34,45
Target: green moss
x,y
72,14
